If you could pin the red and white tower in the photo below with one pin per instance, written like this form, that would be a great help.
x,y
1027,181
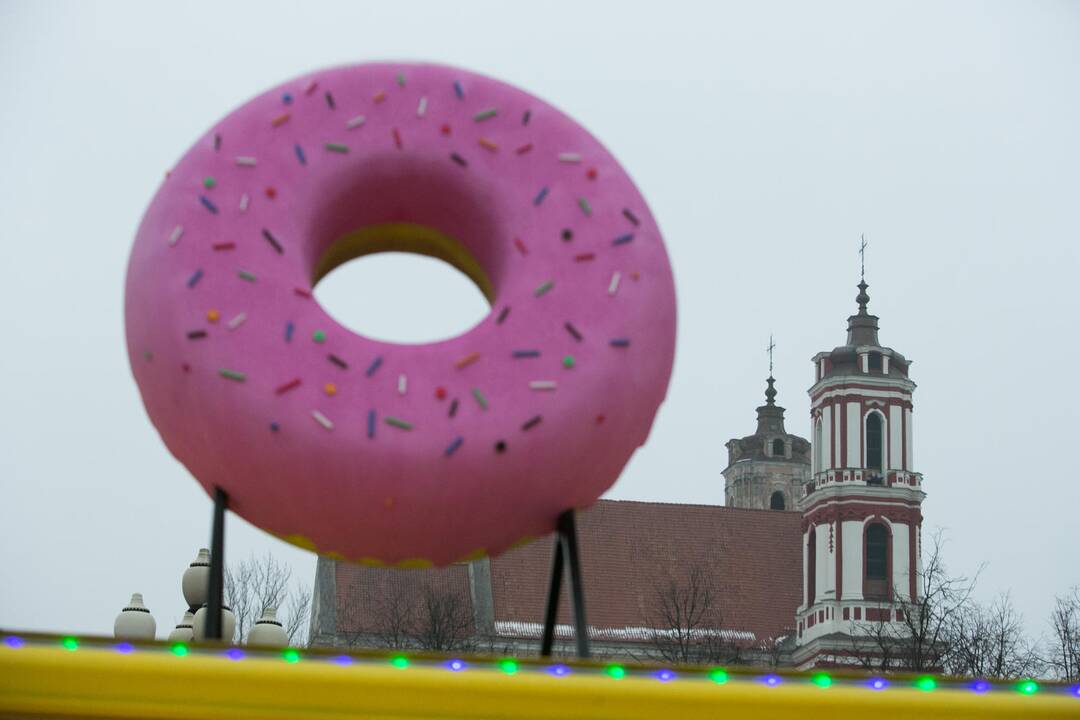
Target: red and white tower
x,y
861,509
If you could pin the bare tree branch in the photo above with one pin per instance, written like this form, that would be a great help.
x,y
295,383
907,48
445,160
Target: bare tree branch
x,y
256,584
686,620
1063,658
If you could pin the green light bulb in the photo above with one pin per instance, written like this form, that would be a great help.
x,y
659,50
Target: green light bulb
x,y
616,671
70,643
508,666
822,680
400,662
926,683
1028,687
719,676
290,655
179,650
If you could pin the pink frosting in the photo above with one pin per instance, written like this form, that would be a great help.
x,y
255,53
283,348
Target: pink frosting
x,y
429,151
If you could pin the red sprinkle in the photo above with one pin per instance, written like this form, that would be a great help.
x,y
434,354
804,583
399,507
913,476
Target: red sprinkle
x,y
584,257
445,129
271,192
282,389
311,87
397,138
225,246
591,174
440,393
599,419
302,292
521,246
524,149
185,367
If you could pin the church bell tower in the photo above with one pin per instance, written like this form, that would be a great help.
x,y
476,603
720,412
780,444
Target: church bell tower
x,y
861,511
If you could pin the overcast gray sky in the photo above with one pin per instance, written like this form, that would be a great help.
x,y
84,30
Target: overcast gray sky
x,y
766,137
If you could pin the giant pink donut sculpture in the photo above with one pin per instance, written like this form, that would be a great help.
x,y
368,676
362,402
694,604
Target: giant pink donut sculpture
x,y
380,452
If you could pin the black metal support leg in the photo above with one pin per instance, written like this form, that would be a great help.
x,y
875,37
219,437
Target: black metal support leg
x,y
216,587
566,553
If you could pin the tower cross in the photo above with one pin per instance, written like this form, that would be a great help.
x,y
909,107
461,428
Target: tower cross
x,y
862,257
771,347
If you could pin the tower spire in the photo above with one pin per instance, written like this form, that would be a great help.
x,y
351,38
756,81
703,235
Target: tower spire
x,y
770,391
862,298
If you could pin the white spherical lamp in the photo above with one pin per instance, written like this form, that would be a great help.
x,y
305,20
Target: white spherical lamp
x,y
267,631
135,622
196,579
228,624
183,632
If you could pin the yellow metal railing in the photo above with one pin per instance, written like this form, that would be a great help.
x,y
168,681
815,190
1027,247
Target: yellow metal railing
x,y
43,677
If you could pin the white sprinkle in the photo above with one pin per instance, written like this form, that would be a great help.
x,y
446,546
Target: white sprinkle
x,y
542,385
421,107
322,419
245,161
355,122
237,321
402,382
176,233
613,287
570,157
243,202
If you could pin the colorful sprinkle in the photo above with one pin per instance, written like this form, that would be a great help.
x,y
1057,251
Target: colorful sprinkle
x,y
613,286
485,114
525,117
500,446
619,342
213,315
196,334
373,366
207,204
623,239
402,384
395,422
544,287
302,292
585,206
630,216
502,315
467,360
401,79
568,361
440,393
237,321
354,122
573,331
177,233
232,375
458,90
312,86
195,277
217,141
338,361
487,144
521,246
532,422
453,446
591,173
322,419
445,128
371,424
458,159
289,327
271,192
453,407
397,137
244,202
330,100
526,354
274,427
584,257
337,148
286,387
379,96
523,149
209,182
287,99
280,120
245,275
330,389
421,107
300,154
273,241
480,399
569,157
318,336
245,161
222,246
540,196
542,385
567,235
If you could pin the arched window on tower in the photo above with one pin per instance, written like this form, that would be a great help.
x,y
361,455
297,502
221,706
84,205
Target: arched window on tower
x,y
811,568
778,448
874,433
875,362
776,502
877,561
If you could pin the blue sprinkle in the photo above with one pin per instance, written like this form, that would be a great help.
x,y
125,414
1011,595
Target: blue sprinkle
x,y
540,196
374,366
194,278
207,204
371,424
289,327
286,98
619,342
458,90
452,447
300,154
622,239
274,427
526,353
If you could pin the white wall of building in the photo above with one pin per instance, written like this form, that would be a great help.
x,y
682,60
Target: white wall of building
x,y
853,564
826,437
854,443
900,566
896,414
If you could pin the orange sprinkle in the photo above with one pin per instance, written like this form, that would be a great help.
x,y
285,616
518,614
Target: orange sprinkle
x,y
379,96
485,143
330,389
213,315
280,119
468,359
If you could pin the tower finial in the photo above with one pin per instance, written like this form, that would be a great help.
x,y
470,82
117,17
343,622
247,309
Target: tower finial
x,y
770,348
862,298
770,391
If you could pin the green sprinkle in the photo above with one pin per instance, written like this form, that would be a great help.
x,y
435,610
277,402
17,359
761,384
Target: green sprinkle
x,y
337,147
485,114
822,680
1027,687
232,375
544,288
318,336
179,650
70,643
508,666
585,206
616,671
926,683
401,79
480,398
148,355
719,676
400,662
245,275
568,361
209,182
402,424
290,655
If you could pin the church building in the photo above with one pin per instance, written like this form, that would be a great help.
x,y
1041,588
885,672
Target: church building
x,y
811,552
